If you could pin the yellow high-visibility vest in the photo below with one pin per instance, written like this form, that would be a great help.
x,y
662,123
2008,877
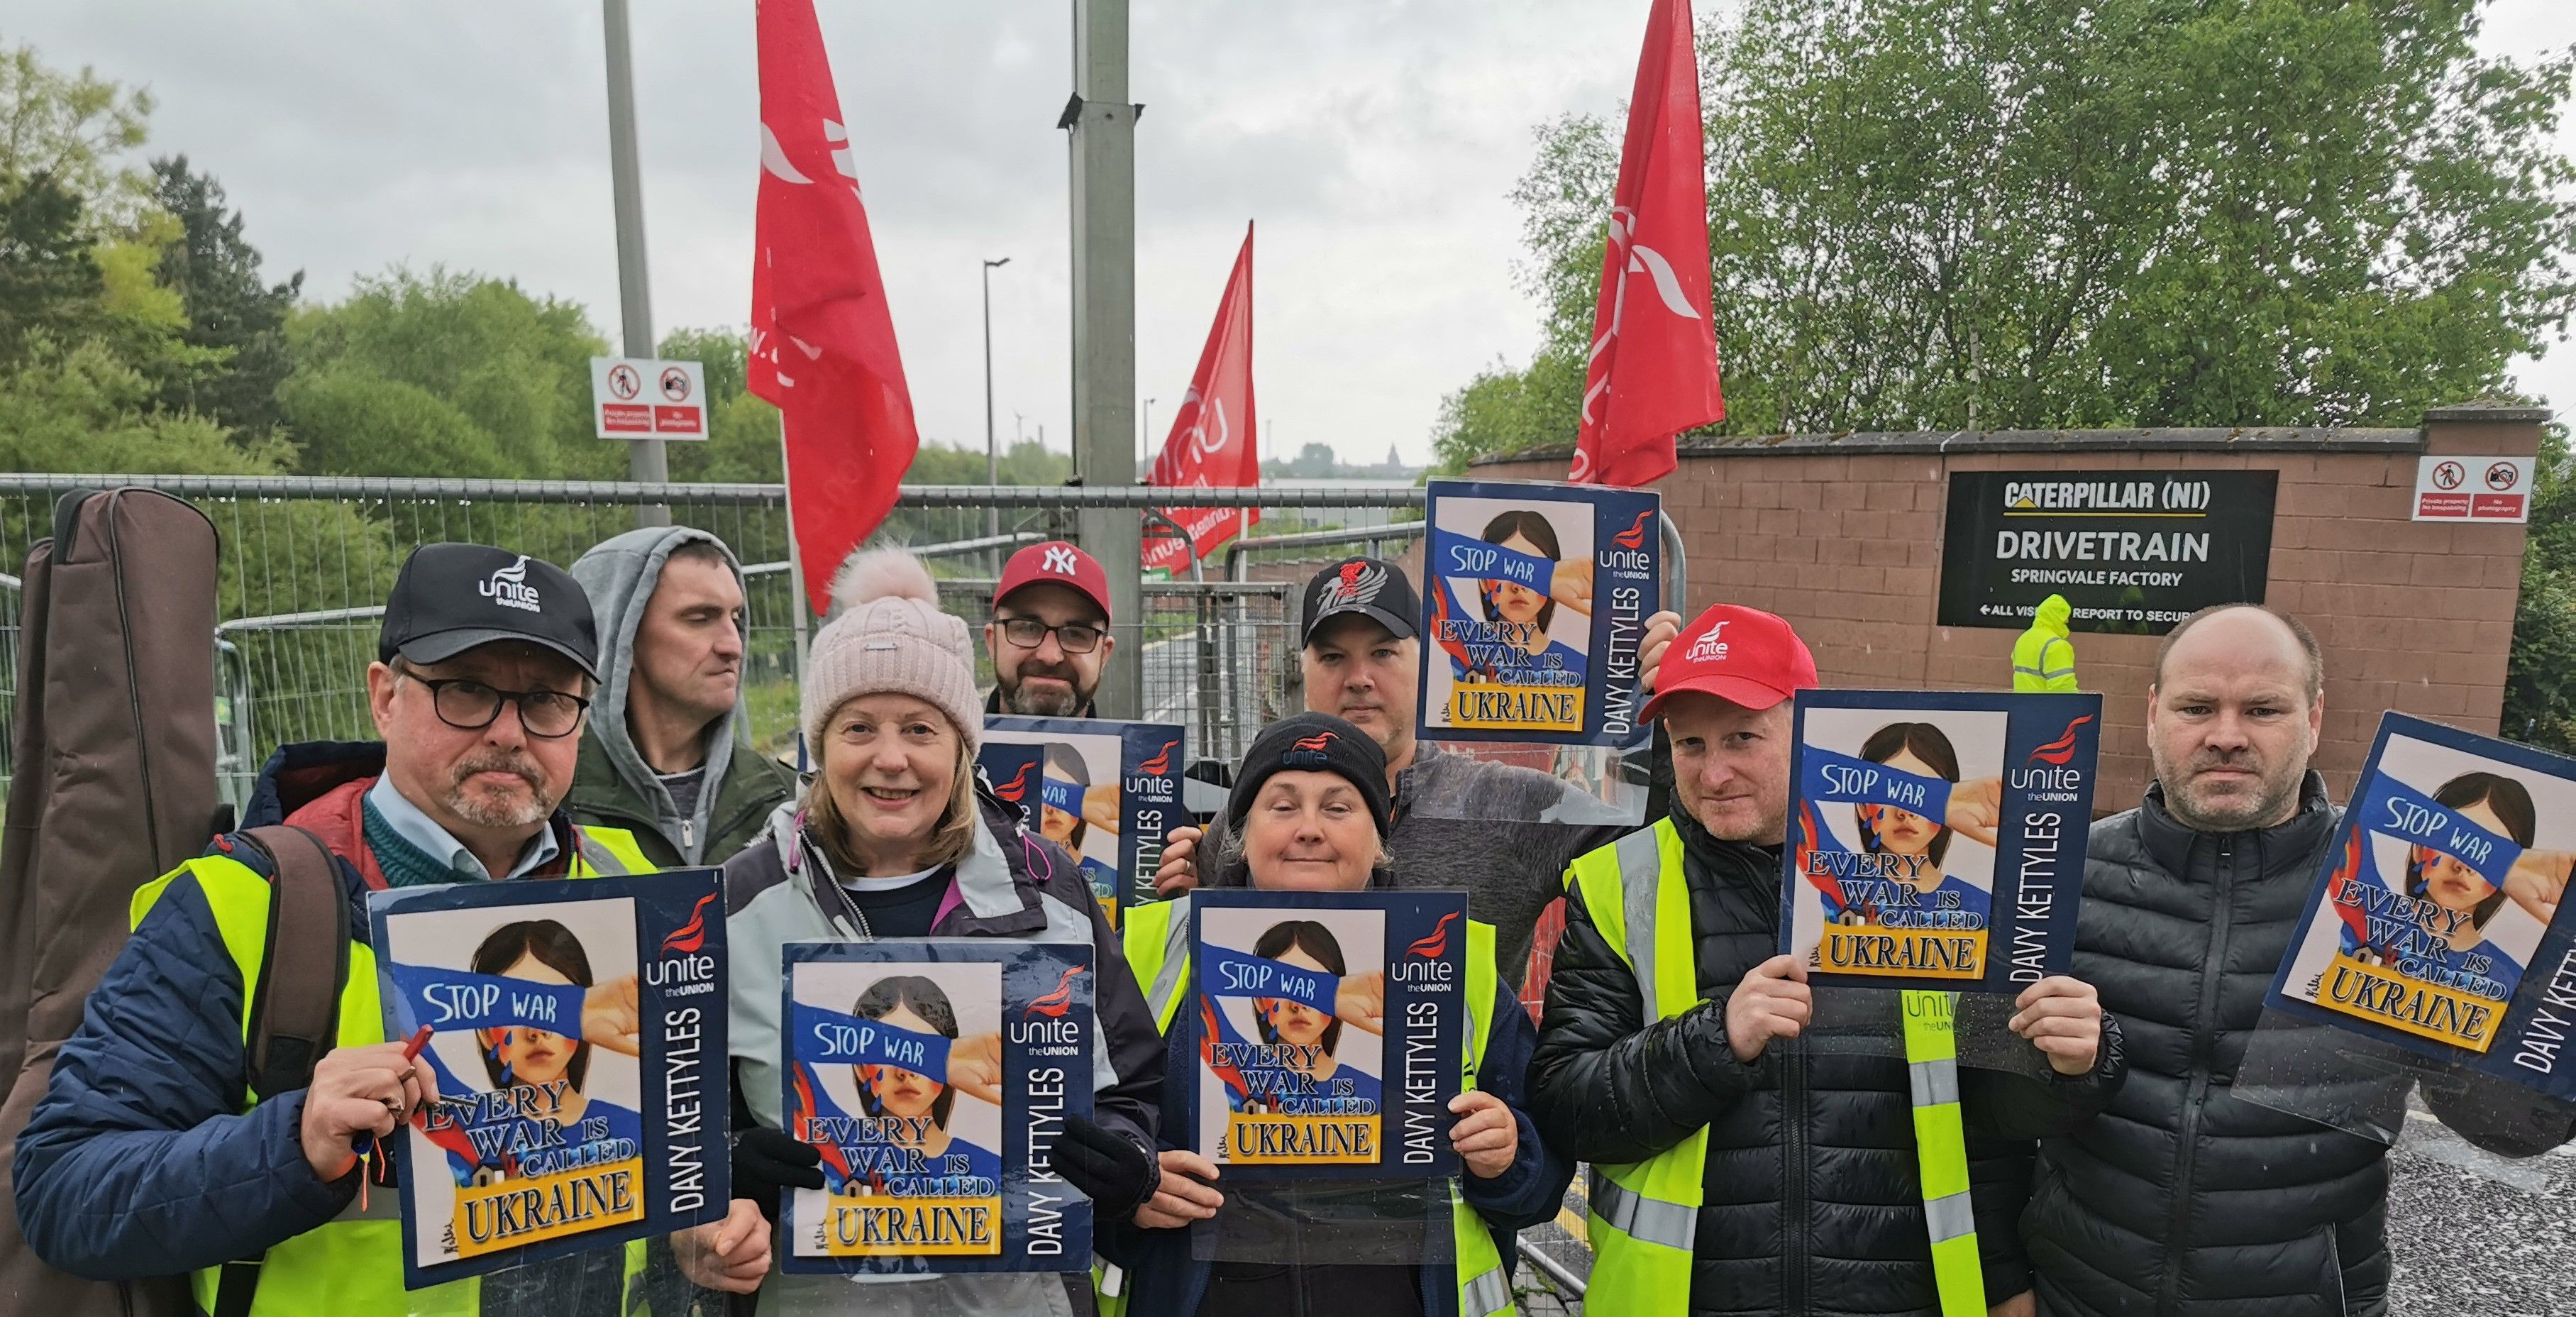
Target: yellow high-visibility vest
x,y
1644,1214
353,1262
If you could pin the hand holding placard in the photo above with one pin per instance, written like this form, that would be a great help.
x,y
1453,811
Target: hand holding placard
x,y
1661,630
1486,1136
359,1093
1770,1002
1178,870
731,1255
2062,1017
1181,1197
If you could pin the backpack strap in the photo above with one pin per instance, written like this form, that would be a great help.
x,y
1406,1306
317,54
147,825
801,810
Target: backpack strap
x,y
295,1008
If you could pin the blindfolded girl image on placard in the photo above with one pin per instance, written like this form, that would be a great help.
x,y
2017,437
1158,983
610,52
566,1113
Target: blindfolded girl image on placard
x,y
1529,614
921,1106
554,1066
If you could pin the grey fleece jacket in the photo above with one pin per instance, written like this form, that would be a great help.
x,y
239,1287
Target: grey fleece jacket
x,y
620,574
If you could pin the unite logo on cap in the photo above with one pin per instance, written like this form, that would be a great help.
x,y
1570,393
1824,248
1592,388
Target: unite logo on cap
x,y
1708,648
1309,751
509,587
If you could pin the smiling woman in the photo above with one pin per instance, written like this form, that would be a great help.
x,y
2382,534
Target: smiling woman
x,y
895,839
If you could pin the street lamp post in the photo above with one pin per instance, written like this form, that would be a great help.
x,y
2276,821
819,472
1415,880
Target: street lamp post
x,y
1148,435
992,454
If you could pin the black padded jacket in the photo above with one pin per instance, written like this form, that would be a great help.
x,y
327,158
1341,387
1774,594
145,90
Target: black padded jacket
x,y
1813,1202
2183,1199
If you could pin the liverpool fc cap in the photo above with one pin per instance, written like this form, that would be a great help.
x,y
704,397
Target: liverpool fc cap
x,y
453,597
1371,586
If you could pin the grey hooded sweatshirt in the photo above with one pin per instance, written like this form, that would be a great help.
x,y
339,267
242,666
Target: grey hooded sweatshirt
x,y
612,785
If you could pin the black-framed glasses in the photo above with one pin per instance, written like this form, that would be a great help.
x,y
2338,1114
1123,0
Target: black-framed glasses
x,y
1073,637
470,706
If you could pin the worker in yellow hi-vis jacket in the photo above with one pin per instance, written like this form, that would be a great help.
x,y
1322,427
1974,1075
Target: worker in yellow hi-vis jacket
x,y
2044,659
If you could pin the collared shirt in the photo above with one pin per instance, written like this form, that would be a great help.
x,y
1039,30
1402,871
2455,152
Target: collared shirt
x,y
416,827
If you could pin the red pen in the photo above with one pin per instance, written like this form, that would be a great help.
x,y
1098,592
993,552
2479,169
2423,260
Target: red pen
x,y
419,1040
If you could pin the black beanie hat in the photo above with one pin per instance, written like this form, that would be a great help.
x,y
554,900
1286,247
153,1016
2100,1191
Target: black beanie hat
x,y
1317,742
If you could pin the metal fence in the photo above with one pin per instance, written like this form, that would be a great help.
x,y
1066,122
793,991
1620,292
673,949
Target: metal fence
x,y
305,564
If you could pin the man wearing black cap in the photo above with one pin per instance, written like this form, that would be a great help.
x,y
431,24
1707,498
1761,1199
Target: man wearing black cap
x,y
1503,833
144,1158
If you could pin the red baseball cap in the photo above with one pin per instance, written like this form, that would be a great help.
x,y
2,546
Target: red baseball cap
x,y
1055,562
1741,655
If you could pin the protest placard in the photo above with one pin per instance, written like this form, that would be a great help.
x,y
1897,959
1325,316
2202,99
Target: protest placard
x,y
1538,599
2430,926
1936,838
577,1030
1327,1031
1107,790
935,1076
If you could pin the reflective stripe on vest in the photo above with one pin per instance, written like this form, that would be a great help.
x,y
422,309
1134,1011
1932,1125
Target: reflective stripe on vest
x,y
1157,944
2043,661
1644,1214
1941,1148
353,1262
1154,935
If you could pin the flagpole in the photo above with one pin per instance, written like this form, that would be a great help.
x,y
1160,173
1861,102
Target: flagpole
x,y
798,607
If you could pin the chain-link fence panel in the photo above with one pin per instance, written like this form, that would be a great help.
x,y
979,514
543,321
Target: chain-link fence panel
x,y
306,563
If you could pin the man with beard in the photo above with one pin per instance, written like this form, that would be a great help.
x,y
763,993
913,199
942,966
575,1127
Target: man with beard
x,y
1502,832
1049,636
145,1158
2180,1198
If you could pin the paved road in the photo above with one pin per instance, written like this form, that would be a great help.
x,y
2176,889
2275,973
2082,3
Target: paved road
x,y
2471,1232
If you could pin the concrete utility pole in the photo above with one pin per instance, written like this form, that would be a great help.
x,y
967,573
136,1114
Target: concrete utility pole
x,y
1103,123
645,459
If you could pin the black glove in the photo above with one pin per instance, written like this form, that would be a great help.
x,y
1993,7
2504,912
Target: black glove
x,y
1108,1167
766,1163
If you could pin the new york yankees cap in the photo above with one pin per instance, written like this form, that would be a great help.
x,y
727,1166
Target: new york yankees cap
x,y
1371,586
1060,562
450,598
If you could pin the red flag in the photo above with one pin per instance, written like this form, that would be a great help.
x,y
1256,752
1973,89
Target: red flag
x,y
1653,370
822,340
1212,440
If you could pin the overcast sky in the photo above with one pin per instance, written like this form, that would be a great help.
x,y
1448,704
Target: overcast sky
x,y
1373,140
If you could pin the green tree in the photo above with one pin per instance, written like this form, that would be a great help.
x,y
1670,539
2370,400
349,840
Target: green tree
x,y
234,315
49,282
515,368
74,127
2540,682
1928,214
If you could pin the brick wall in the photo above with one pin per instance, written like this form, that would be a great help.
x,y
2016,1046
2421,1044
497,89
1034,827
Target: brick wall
x,y
1843,536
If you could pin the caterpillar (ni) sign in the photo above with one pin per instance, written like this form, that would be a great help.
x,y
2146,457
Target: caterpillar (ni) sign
x,y
2132,551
